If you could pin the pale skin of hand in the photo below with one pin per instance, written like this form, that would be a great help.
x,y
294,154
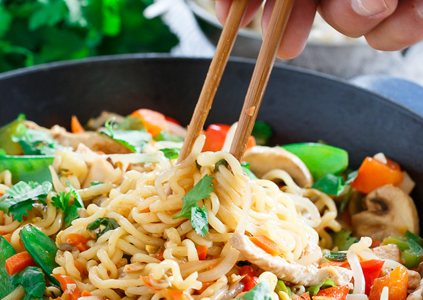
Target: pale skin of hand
x,y
387,25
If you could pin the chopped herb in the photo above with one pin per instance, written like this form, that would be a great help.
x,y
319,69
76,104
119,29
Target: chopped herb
x,y
171,153
134,140
20,198
35,142
93,183
330,184
131,123
166,136
343,240
314,289
260,291
191,210
33,281
102,225
346,200
70,211
242,263
335,256
78,199
200,220
262,133
220,162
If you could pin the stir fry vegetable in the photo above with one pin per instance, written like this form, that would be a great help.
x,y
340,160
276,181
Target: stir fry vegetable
x,y
6,252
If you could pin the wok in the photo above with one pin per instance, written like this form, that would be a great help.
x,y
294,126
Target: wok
x,y
300,105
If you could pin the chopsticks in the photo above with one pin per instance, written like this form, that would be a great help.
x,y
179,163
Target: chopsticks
x,y
214,75
265,61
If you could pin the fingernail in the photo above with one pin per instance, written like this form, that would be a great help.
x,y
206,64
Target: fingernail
x,y
367,8
419,7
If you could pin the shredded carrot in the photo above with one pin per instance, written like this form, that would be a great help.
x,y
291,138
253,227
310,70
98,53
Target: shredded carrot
x,y
68,285
251,142
342,264
18,262
85,293
178,295
77,240
203,287
159,254
76,127
80,267
266,244
305,296
148,283
202,252
153,121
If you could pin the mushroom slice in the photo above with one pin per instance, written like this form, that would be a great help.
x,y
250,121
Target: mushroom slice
x,y
264,159
389,210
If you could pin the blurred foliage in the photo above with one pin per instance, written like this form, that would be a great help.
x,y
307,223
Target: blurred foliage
x,y
39,31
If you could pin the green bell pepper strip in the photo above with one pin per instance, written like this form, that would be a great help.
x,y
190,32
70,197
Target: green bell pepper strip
x,y
335,256
41,248
314,289
320,159
6,251
6,133
412,252
416,238
27,167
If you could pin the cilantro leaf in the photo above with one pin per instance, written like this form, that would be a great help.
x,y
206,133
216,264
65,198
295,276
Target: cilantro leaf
x,y
314,289
78,200
93,183
260,291
201,190
343,240
35,142
166,136
20,198
102,225
61,201
200,220
134,140
33,281
171,153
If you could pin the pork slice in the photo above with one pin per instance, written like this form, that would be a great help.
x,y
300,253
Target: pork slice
x,y
291,272
418,293
389,251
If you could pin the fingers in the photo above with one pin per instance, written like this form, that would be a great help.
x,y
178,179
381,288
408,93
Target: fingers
x,y
400,30
223,6
356,17
297,29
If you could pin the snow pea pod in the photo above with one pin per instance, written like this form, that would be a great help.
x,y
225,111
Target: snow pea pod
x,y
41,248
6,133
320,159
27,167
6,251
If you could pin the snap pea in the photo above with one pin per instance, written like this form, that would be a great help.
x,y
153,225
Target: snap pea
x,y
41,248
320,159
6,251
27,167
281,287
6,133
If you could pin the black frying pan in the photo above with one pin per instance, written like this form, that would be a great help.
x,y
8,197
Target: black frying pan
x,y
300,106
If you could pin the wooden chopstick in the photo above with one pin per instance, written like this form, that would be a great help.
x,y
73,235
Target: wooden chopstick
x,y
278,20
214,75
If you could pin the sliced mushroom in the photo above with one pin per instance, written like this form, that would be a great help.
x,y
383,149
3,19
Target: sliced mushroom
x,y
264,159
389,210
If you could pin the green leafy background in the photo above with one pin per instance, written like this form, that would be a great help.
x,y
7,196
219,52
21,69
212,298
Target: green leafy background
x,y
40,31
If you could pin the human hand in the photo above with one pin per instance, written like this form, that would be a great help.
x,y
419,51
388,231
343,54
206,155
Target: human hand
x,y
387,25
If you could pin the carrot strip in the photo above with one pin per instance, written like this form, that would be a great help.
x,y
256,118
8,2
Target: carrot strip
x,y
266,244
153,121
8,237
85,293
77,240
68,285
18,262
202,252
76,127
